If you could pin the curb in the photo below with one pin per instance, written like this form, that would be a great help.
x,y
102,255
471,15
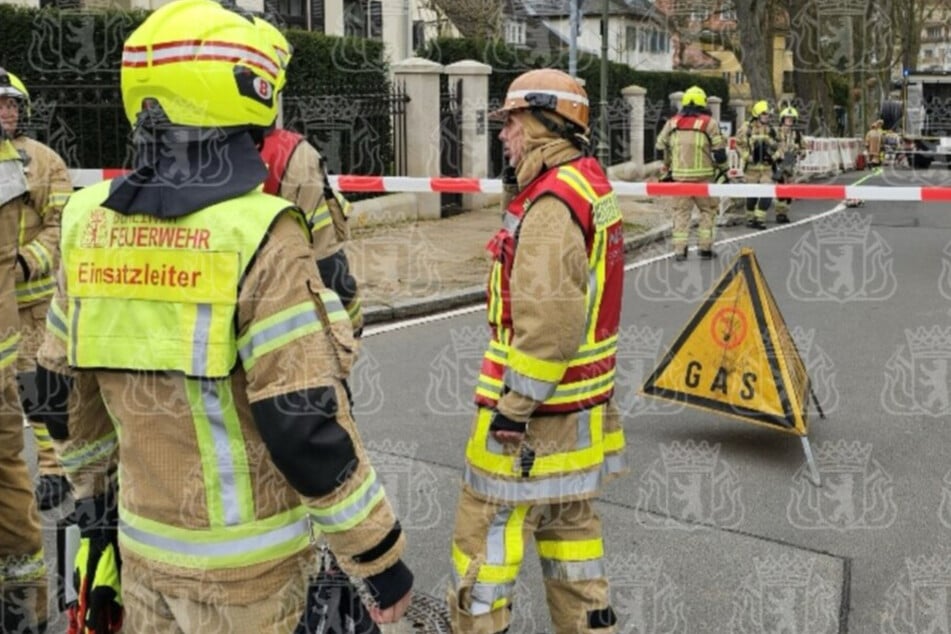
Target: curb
x,y
417,307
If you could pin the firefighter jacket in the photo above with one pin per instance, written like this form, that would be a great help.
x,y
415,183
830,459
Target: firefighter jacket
x,y
556,280
48,187
296,173
212,345
873,143
693,146
758,144
792,145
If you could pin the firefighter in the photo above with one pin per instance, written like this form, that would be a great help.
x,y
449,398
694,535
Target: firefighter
x,y
693,151
297,172
194,315
546,435
22,567
49,187
758,142
874,145
791,147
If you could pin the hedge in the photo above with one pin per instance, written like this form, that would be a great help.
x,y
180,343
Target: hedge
x,y
69,61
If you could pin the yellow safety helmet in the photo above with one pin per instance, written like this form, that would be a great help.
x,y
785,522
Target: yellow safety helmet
x,y
760,107
11,86
204,66
789,112
547,89
282,48
694,96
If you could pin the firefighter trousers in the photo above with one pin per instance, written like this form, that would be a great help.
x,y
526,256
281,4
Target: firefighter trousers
x,y
22,568
682,208
147,610
487,550
756,208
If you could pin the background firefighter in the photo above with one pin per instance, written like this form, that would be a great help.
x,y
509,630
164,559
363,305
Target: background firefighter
x,y
23,585
228,415
49,187
792,146
546,435
693,151
758,143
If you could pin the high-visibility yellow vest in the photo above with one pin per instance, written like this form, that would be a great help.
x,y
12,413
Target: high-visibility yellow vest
x,y
134,283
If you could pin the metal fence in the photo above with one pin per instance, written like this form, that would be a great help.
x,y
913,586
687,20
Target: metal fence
x,y
358,133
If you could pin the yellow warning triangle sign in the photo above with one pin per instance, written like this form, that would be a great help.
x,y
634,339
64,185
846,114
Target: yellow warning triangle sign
x,y
736,357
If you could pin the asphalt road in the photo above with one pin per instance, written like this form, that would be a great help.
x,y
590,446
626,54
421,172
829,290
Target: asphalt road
x,y
716,529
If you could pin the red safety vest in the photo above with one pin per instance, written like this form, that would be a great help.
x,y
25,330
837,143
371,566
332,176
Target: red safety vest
x,y
276,151
588,378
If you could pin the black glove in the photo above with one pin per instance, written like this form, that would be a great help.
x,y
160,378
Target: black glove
x,y
501,422
721,176
777,174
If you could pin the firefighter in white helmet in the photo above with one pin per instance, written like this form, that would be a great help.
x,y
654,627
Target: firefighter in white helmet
x,y
792,147
208,361
546,435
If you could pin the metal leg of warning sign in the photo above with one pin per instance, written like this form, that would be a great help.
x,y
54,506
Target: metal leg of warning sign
x,y
813,470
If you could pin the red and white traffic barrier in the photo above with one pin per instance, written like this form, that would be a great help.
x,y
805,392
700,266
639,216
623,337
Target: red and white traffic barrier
x,y
393,184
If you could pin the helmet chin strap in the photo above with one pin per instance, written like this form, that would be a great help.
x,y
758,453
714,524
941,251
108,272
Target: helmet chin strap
x,y
566,131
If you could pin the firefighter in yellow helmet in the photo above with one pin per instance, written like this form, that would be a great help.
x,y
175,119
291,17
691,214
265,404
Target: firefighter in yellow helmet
x,y
25,195
191,311
297,172
792,147
693,151
758,143
546,435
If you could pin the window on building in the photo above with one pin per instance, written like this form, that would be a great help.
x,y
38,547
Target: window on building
x,y
630,38
419,34
361,18
739,77
515,32
788,83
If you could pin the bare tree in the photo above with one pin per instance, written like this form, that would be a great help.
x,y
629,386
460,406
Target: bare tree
x,y
755,31
473,18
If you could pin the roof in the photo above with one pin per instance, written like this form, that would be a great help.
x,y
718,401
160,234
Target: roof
x,y
561,8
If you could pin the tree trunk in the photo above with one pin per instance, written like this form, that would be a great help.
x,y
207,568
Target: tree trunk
x,y
809,76
755,38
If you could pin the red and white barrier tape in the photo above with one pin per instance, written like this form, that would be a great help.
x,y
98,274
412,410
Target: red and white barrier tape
x,y
392,184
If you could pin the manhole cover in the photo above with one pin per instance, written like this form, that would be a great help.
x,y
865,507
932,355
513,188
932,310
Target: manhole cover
x,y
427,614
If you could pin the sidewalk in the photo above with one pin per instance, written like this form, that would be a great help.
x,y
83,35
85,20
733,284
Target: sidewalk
x,y
417,267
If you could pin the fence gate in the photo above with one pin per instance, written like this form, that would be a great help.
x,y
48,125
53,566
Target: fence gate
x,y
450,140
